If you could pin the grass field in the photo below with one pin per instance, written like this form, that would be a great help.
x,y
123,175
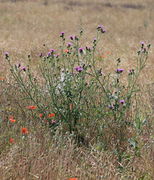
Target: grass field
x,y
31,27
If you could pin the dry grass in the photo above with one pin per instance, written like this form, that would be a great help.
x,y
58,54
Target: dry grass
x,y
25,27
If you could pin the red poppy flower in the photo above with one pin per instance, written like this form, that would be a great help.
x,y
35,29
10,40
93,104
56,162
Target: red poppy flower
x,y
51,115
24,131
2,78
41,115
73,178
11,140
12,120
31,107
66,50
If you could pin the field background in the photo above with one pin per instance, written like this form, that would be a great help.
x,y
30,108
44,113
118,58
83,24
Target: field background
x,y
25,26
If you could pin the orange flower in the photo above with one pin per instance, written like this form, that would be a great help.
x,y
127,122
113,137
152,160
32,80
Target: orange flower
x,y
103,56
24,131
12,120
31,107
2,78
41,115
66,50
11,140
73,178
108,52
51,115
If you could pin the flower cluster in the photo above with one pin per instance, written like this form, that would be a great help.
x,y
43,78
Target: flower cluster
x,y
101,29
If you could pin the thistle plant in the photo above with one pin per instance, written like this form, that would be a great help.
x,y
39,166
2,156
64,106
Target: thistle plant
x,y
92,106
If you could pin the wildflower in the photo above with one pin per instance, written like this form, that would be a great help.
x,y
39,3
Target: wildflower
x,y
66,50
11,140
95,39
142,44
122,101
49,54
24,131
119,71
52,51
101,29
31,107
108,52
76,38
103,56
40,115
53,121
69,45
111,107
51,115
72,37
41,54
80,50
2,78
62,34
12,120
6,55
79,69
56,55
73,178
23,68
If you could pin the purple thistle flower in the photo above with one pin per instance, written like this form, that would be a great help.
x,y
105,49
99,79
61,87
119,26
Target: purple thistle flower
x,y
40,55
69,44
111,107
122,101
79,69
101,28
6,55
142,44
81,50
72,37
76,38
52,51
119,71
56,55
23,68
62,34
95,39
49,54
